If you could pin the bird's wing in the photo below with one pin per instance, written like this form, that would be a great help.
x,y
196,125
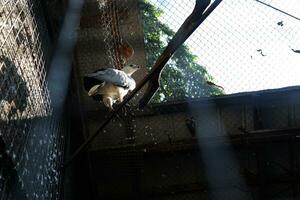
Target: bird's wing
x,y
114,76
89,81
131,84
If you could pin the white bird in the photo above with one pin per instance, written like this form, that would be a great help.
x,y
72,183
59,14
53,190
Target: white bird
x,y
110,85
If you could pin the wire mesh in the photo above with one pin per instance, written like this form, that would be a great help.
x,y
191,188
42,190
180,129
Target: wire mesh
x,y
110,19
229,53
225,55
112,16
242,46
33,139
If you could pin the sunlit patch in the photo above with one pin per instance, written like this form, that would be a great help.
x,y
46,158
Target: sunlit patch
x,y
241,44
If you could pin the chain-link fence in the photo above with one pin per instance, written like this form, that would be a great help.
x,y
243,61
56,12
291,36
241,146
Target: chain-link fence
x,y
32,139
189,74
242,46
111,15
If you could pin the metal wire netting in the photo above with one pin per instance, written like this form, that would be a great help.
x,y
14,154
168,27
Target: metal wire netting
x,y
241,31
32,139
242,46
110,17
233,36
231,30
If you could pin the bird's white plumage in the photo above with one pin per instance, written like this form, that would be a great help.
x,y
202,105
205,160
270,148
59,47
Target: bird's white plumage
x,y
111,84
115,77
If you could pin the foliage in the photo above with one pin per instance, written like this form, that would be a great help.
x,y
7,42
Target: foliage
x,y
182,76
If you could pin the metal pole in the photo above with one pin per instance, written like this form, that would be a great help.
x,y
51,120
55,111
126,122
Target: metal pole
x,y
268,5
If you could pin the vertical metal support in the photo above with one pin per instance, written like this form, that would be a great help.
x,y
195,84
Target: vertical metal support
x,y
256,114
260,172
291,150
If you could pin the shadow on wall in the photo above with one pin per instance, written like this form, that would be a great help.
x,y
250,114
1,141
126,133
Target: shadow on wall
x,y
13,87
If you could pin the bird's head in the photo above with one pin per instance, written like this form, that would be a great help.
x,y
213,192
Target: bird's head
x,y
130,69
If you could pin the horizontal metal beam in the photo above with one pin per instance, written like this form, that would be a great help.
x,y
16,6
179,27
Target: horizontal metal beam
x,y
188,145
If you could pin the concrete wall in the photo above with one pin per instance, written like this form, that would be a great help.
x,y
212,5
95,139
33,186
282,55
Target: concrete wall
x,y
245,147
223,116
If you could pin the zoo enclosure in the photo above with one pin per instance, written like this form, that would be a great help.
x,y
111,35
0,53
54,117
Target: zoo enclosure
x,y
145,142
32,137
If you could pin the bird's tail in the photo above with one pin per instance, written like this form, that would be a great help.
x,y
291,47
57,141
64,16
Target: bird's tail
x,y
93,90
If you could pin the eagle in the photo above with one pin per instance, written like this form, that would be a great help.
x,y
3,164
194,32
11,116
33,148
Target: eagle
x,y
110,85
